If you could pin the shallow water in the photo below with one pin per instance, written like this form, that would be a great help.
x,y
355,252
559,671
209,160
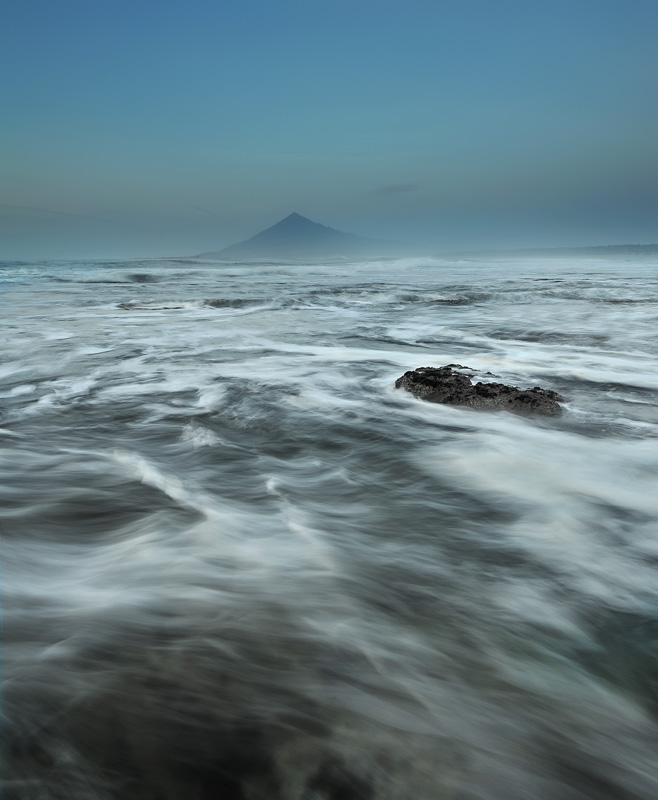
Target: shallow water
x,y
237,563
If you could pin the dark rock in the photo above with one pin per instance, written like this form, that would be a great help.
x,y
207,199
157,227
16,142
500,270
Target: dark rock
x,y
446,385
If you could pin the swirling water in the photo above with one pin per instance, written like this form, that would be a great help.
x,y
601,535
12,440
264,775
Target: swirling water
x,y
237,563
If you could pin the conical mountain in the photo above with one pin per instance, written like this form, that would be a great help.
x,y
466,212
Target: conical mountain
x,y
296,237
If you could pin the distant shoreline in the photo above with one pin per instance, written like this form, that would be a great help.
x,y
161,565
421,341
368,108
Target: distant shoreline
x,y
590,250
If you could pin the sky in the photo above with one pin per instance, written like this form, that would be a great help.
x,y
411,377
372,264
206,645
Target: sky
x,y
156,127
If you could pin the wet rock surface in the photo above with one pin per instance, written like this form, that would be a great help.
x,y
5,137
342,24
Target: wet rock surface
x,y
450,386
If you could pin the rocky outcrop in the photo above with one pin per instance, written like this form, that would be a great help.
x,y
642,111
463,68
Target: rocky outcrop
x,y
451,386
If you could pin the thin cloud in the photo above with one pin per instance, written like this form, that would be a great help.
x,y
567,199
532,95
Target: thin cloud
x,y
46,211
397,188
34,212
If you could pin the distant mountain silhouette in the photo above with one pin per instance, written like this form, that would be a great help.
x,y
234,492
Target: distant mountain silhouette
x,y
299,238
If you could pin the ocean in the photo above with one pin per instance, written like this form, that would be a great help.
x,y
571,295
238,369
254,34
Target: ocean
x,y
237,563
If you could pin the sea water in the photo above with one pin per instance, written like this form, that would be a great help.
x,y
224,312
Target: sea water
x,y
237,563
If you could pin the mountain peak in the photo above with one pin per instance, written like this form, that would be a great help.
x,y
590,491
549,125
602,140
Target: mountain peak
x,y
298,237
297,220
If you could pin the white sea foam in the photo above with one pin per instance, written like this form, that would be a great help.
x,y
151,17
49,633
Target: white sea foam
x,y
234,553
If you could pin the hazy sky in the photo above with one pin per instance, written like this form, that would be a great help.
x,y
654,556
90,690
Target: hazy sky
x,y
156,126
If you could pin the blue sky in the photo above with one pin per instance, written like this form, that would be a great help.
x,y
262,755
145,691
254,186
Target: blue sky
x,y
149,127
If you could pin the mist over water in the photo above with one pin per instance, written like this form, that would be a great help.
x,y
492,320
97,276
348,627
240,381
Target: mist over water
x,y
237,563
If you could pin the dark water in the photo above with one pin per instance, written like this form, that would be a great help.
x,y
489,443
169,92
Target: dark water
x,y
238,564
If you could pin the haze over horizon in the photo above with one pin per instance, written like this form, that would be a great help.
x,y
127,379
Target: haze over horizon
x,y
156,129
